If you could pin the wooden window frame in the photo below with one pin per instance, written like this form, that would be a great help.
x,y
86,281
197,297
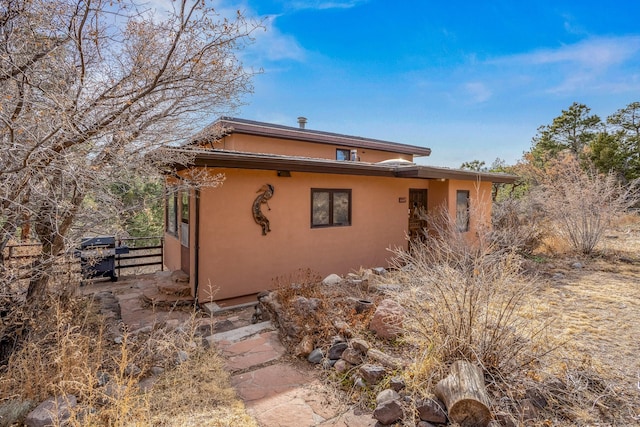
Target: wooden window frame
x,y
463,227
331,192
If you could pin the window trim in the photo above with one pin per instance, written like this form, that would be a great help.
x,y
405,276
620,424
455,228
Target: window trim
x,y
331,192
463,228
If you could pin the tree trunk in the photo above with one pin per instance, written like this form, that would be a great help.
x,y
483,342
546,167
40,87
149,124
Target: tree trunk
x,y
464,394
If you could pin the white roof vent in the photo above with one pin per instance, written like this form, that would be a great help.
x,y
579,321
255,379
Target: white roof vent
x,y
396,162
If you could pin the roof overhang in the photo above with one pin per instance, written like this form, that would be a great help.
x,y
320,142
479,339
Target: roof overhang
x,y
243,160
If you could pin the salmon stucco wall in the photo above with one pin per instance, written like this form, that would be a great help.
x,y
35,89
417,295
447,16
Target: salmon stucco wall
x,y
479,202
260,144
236,259
171,252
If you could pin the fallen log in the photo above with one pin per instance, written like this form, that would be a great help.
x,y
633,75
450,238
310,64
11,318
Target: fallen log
x,y
465,396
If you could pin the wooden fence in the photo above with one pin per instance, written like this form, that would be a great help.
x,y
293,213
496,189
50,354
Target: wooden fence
x,y
145,256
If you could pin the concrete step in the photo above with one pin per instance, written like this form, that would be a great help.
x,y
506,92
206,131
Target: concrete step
x,y
239,334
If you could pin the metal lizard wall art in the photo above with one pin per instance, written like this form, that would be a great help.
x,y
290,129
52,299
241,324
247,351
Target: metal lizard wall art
x,y
258,216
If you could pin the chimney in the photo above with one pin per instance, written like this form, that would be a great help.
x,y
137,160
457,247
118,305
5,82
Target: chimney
x,y
302,121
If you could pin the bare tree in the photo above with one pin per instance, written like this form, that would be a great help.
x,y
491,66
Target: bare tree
x,y
90,90
581,203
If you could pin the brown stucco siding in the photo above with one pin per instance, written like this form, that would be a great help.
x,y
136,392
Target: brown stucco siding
x,y
235,259
260,144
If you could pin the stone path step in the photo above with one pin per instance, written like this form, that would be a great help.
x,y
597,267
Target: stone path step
x,y
276,392
241,333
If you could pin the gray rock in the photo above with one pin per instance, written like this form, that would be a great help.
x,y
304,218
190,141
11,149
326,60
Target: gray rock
x,y
384,359
332,279
558,276
424,424
372,374
352,356
103,378
328,363
380,271
316,356
342,366
397,383
305,306
156,370
336,350
118,339
361,345
432,410
132,370
386,395
577,265
182,357
343,328
388,412
53,411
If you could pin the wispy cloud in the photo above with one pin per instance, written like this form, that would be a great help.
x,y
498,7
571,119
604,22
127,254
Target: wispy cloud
x,y
325,4
593,52
477,92
273,45
590,65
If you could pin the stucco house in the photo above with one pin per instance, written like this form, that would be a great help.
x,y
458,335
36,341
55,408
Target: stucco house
x,y
295,198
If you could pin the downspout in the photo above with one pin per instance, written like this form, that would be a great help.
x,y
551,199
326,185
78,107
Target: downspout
x,y
197,247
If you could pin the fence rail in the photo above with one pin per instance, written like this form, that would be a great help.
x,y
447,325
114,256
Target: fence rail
x,y
130,260
142,253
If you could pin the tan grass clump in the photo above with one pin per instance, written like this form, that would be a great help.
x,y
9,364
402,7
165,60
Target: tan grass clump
x,y
62,348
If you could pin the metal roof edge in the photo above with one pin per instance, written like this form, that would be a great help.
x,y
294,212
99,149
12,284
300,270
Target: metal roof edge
x,y
239,160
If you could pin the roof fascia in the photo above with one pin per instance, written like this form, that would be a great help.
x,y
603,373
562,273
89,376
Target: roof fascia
x,y
242,160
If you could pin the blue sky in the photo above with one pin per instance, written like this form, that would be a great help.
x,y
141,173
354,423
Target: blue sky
x,y
469,79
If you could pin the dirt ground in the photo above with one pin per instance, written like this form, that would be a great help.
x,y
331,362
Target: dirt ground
x,y
597,304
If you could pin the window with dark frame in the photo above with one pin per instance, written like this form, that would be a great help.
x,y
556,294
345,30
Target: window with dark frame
x,y
330,207
343,154
462,210
171,213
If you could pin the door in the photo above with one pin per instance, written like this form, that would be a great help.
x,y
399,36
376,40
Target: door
x,y
184,232
417,214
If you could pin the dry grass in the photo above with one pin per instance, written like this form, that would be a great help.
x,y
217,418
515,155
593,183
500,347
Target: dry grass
x,y
598,321
197,393
64,350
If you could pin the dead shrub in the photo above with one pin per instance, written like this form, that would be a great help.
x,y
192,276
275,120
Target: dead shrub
x,y
582,204
467,300
518,224
62,347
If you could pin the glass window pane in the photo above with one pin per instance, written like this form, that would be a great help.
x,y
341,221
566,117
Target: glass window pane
x,y
320,208
342,154
185,207
462,210
171,213
341,208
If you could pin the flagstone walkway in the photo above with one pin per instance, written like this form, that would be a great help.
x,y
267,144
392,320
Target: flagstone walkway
x,y
278,391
